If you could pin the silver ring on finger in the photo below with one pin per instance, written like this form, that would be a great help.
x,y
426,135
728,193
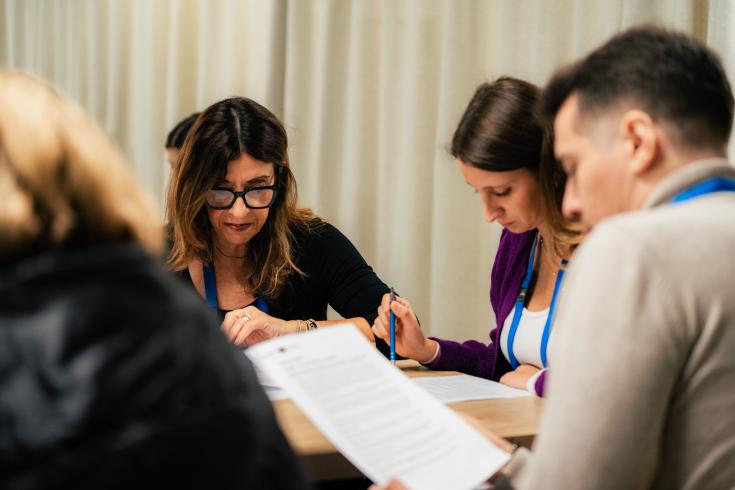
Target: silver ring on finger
x,y
245,317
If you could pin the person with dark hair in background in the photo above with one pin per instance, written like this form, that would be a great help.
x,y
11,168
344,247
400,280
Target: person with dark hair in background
x,y
174,144
503,149
643,391
267,267
177,136
113,374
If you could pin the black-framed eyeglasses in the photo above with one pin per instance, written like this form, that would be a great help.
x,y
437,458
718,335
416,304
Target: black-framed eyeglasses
x,y
260,197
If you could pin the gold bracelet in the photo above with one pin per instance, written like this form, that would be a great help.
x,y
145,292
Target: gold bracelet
x,y
305,325
301,326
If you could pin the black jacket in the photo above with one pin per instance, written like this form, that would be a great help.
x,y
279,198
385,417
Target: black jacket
x,y
114,375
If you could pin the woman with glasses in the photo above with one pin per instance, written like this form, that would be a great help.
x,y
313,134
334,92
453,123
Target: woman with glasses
x,y
97,390
267,267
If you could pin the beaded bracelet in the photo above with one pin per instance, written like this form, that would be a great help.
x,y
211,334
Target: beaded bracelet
x,y
305,325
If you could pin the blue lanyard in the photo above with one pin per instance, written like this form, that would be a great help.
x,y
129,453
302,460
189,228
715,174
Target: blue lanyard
x,y
717,184
709,186
522,300
210,291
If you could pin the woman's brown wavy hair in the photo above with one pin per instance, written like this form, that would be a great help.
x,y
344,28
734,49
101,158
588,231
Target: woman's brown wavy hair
x,y
222,133
503,129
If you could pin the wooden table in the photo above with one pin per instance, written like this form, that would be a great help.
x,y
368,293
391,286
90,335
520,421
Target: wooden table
x,y
516,419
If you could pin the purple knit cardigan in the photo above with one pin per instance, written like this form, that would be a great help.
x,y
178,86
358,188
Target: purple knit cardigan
x,y
476,358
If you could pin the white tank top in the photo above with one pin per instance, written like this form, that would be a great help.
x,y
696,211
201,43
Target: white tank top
x,y
527,342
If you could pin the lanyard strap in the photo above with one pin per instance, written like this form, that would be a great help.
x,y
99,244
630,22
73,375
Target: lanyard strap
x,y
261,304
520,302
519,305
210,291
717,184
210,286
550,317
709,186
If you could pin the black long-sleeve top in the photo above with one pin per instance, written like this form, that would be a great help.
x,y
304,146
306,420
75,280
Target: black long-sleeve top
x,y
336,275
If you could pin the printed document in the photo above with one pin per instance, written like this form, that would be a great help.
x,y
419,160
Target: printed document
x,y
272,389
464,387
374,415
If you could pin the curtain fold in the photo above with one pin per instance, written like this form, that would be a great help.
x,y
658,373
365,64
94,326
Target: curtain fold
x,y
370,93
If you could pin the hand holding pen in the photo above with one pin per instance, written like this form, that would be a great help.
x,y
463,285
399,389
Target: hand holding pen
x,y
410,341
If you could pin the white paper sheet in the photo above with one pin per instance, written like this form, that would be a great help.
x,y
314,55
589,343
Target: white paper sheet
x,y
464,387
272,388
373,414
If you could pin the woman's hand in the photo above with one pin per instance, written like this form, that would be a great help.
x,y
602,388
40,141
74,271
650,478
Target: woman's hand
x,y
392,485
410,340
249,326
519,378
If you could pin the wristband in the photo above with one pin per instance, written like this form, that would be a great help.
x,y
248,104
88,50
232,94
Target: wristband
x,y
434,357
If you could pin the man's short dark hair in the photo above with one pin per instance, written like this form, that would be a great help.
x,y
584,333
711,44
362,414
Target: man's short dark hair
x,y
670,75
177,135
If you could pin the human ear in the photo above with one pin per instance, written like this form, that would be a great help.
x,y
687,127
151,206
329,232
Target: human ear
x,y
640,140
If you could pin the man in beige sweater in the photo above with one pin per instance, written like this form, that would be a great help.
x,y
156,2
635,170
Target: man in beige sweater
x,y
643,389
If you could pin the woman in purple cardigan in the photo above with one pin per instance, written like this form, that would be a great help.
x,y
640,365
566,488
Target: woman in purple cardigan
x,y
504,150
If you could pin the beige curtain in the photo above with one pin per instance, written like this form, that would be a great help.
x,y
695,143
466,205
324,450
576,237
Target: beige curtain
x,y
370,91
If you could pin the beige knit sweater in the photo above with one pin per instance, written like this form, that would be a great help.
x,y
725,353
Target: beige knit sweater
x,y
643,389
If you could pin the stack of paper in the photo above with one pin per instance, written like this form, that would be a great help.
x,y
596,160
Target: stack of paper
x,y
463,387
374,415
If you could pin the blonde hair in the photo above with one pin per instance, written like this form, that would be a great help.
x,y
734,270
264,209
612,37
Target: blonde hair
x,y
62,182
